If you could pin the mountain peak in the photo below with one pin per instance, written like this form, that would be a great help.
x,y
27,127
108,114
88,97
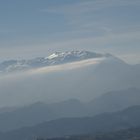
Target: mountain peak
x,y
55,58
74,54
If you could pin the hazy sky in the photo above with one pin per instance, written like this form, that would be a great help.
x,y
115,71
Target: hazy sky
x,y
30,28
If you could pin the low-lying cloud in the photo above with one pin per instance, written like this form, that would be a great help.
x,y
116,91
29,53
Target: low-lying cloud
x,y
49,83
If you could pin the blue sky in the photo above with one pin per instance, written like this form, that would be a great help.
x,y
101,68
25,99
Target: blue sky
x,y
31,28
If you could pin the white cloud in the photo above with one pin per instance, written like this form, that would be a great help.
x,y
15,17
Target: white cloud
x,y
117,43
88,6
69,66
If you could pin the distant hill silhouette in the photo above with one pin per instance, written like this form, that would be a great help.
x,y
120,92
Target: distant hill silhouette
x,y
128,118
40,112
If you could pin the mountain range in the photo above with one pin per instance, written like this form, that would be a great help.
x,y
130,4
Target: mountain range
x,y
68,93
106,122
80,75
39,112
54,59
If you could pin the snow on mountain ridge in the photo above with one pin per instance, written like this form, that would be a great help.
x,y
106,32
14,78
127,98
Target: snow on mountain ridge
x,y
52,56
54,59
73,55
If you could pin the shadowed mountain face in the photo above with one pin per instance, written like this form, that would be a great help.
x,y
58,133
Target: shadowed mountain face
x,y
114,101
40,112
106,122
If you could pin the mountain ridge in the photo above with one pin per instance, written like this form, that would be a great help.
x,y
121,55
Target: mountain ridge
x,y
109,102
54,59
106,122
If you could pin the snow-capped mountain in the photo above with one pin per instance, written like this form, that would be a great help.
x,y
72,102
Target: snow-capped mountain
x,y
72,56
79,74
54,59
